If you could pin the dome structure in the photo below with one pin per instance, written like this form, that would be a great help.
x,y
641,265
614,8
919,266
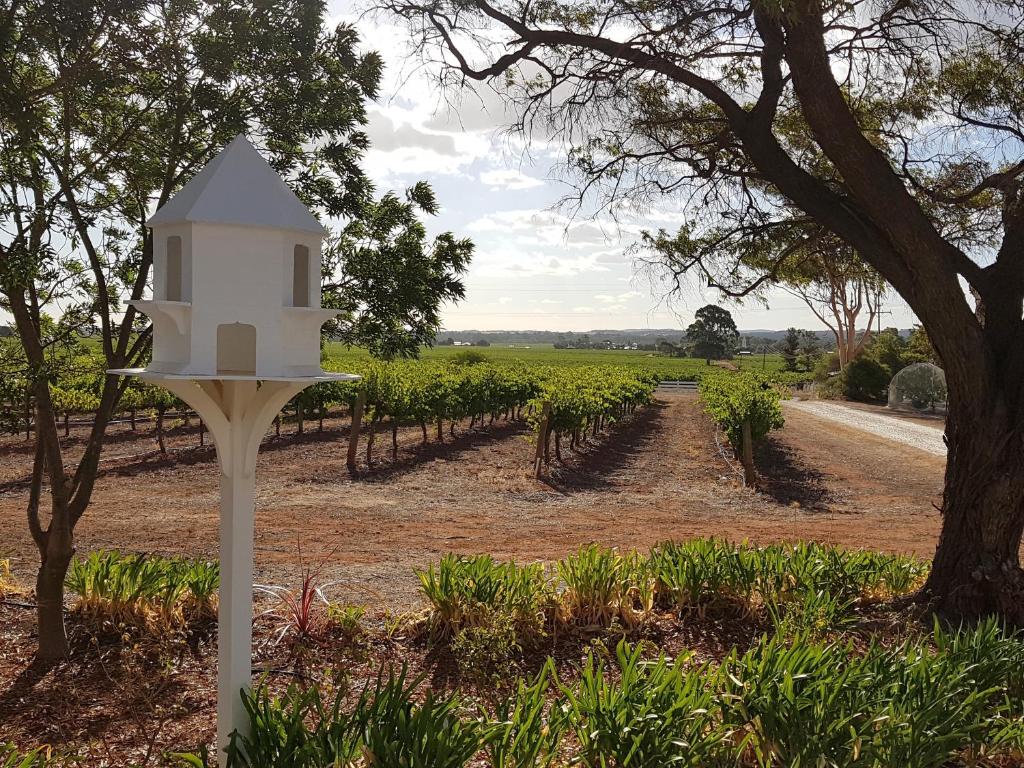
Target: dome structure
x,y
918,387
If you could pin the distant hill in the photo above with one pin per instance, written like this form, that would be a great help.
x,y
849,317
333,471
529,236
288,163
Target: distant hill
x,y
753,338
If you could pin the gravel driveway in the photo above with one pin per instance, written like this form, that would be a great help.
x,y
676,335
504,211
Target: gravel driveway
x,y
890,427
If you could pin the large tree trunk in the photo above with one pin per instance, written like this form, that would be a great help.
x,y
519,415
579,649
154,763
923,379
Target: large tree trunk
x,y
976,570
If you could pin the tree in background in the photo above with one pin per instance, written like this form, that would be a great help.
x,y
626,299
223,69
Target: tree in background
x,y
790,349
712,335
388,280
919,347
889,349
839,287
896,128
106,108
810,351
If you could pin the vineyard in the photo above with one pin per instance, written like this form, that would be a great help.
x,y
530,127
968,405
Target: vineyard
x,y
557,401
562,395
513,659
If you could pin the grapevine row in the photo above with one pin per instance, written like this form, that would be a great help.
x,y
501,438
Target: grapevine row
x,y
746,406
434,395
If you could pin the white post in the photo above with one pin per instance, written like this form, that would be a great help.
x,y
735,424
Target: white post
x,y
237,512
238,414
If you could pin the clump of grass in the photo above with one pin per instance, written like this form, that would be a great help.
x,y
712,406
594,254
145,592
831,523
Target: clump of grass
x,y
468,591
526,731
659,712
599,588
919,704
389,724
7,583
778,579
945,698
805,588
144,591
346,619
701,573
12,757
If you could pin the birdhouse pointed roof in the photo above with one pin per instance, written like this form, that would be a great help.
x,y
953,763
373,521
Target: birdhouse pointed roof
x,y
238,187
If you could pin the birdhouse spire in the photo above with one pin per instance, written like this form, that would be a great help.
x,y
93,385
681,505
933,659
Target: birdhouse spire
x,y
238,187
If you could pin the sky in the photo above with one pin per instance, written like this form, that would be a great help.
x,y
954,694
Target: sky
x,y
536,266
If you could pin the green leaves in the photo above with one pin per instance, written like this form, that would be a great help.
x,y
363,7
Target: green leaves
x,y
145,591
389,279
659,712
387,726
731,399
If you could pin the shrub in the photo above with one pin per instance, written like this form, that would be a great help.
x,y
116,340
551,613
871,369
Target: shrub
x,y
832,388
865,379
732,399
486,651
300,614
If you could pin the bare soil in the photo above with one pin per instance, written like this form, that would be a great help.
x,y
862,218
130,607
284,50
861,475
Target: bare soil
x,y
659,475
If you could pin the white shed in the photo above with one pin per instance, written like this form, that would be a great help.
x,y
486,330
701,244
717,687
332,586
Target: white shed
x,y
236,287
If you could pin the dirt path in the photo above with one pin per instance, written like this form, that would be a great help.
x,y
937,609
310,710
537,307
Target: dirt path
x,y
924,437
658,476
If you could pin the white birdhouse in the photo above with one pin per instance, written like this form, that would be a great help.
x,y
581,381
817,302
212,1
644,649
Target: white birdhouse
x,y
236,334
236,288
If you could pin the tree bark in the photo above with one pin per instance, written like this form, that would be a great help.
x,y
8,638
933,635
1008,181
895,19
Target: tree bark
x,y
56,557
976,570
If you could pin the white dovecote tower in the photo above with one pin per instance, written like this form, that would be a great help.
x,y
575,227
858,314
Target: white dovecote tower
x,y
236,334
236,284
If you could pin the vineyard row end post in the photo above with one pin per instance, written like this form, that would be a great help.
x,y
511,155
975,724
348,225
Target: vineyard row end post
x,y
357,420
747,456
542,438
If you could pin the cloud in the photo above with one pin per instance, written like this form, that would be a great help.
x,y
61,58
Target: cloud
x,y
509,179
386,136
533,227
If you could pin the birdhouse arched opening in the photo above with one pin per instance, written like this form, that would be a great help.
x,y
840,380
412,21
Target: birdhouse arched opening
x,y
300,276
236,349
173,278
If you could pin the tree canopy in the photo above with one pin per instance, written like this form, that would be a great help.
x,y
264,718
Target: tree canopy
x,y
896,128
712,334
107,107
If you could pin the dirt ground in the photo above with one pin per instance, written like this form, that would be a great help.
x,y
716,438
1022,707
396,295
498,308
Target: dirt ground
x,y
660,475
